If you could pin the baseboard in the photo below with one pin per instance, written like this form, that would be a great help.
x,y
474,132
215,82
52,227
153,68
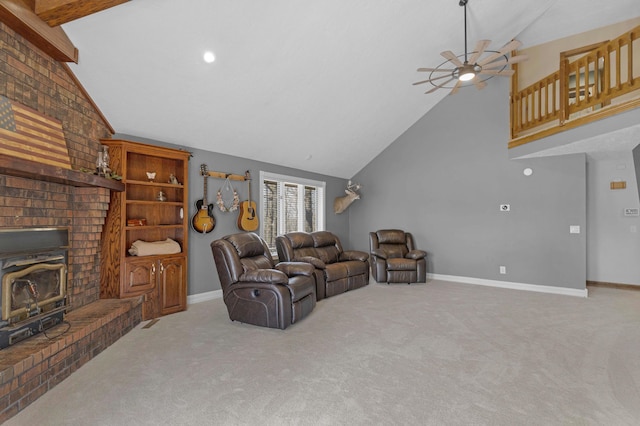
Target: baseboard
x,y
217,294
203,297
635,287
514,286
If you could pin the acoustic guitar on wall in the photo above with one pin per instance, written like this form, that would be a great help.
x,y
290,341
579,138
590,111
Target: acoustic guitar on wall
x,y
203,221
248,217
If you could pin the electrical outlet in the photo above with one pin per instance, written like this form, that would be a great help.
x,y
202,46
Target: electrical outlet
x,y
503,270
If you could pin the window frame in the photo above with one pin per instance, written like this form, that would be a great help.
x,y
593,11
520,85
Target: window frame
x,y
281,179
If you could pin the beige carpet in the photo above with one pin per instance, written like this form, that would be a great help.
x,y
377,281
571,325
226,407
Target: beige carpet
x,y
439,353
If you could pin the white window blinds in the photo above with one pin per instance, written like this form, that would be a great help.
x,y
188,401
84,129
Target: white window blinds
x,y
290,204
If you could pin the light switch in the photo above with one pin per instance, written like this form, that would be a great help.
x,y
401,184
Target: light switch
x,y
574,229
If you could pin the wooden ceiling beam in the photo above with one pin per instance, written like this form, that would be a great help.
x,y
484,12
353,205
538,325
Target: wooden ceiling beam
x,y
58,12
53,41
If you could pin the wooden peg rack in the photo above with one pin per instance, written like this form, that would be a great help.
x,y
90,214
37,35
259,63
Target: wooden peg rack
x,y
231,176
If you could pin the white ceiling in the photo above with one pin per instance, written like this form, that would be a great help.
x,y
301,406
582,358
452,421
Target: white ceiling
x,y
318,85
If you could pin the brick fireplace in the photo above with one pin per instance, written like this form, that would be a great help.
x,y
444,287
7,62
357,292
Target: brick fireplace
x,y
31,367
46,197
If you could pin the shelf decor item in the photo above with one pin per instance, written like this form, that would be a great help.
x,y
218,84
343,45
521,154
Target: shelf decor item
x,y
100,164
105,160
136,222
173,179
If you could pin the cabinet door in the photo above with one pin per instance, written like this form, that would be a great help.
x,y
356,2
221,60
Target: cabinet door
x,y
139,277
173,285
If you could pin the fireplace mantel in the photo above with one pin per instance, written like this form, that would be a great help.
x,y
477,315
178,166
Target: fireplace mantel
x,y
14,166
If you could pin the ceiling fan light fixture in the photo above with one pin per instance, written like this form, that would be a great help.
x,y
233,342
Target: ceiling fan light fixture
x,y
466,72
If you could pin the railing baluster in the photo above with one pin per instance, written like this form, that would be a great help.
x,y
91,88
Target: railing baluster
x,y
554,96
539,99
618,66
630,59
607,72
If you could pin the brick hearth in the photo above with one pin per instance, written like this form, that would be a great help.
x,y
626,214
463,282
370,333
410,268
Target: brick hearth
x,y
30,368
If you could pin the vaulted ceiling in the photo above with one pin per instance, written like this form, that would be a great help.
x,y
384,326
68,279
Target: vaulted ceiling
x,y
319,85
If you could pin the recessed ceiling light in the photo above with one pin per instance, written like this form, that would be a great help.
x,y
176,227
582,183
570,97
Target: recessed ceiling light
x,y
209,57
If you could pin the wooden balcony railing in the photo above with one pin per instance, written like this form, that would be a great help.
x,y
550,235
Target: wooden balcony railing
x,y
601,82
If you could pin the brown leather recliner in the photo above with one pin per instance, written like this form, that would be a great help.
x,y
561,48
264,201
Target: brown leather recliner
x,y
395,259
337,270
255,290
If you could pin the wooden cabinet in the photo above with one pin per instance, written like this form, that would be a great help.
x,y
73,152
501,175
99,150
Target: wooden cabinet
x,y
152,208
173,297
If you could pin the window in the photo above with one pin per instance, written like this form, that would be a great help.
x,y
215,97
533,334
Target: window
x,y
290,204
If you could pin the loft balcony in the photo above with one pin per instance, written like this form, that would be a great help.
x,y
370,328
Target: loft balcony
x,y
573,82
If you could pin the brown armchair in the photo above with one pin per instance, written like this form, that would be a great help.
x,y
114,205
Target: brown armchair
x,y
255,290
395,259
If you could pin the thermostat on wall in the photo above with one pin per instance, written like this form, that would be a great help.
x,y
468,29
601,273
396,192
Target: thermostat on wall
x,y
632,212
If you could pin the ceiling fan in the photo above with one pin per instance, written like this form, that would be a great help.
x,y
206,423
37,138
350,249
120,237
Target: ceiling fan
x,y
481,65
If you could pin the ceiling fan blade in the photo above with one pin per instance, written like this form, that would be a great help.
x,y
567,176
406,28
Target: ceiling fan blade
x,y
496,64
435,70
480,84
432,79
503,62
449,55
439,86
456,87
480,47
512,45
517,58
441,77
505,72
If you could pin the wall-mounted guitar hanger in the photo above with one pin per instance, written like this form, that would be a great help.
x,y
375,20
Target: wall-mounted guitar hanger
x,y
230,176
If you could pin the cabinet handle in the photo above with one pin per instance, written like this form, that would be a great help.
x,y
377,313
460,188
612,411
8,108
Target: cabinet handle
x,y
161,268
153,268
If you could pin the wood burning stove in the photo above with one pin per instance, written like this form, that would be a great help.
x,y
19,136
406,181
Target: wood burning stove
x,y
33,273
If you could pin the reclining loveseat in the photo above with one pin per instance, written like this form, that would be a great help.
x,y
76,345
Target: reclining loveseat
x,y
336,270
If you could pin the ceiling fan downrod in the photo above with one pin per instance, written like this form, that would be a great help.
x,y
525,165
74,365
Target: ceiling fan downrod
x,y
463,3
466,72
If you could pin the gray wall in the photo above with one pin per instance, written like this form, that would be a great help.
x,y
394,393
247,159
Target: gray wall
x,y
444,180
636,162
202,272
613,243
